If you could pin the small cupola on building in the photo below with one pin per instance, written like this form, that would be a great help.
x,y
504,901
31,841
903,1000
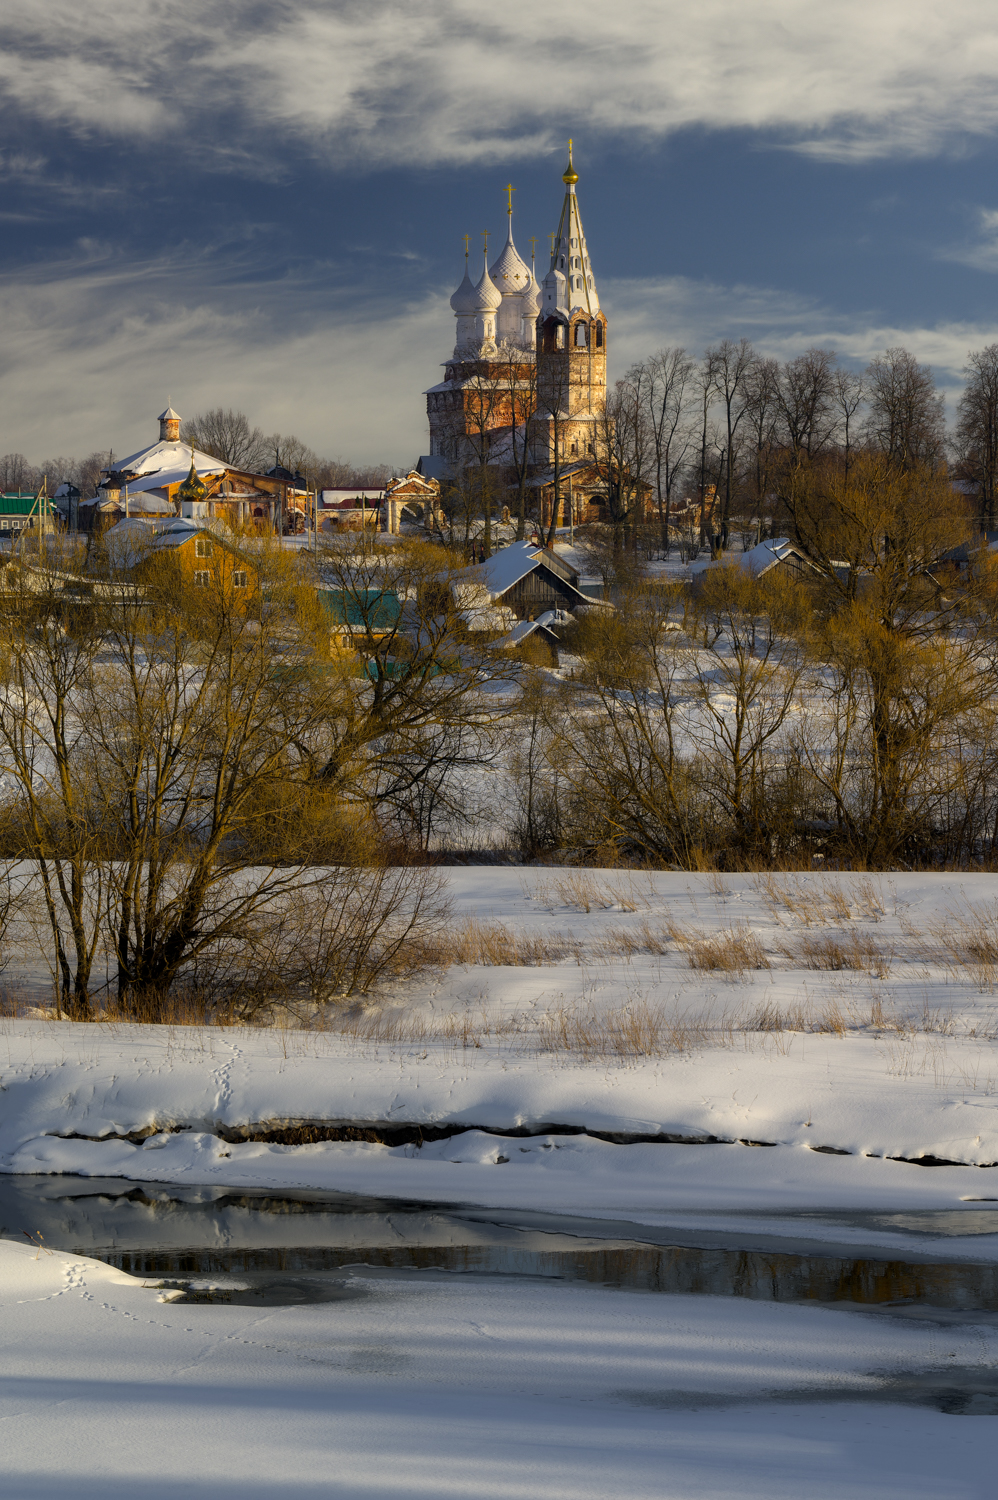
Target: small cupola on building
x,y
465,306
169,426
192,490
487,301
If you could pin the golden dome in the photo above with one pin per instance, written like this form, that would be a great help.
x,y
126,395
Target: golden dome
x,y
570,176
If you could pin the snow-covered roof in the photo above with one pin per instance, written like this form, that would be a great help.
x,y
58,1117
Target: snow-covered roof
x,y
162,458
755,562
134,538
505,567
524,628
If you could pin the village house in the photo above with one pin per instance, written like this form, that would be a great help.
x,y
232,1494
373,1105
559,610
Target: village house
x,y
25,512
360,619
520,582
205,555
771,554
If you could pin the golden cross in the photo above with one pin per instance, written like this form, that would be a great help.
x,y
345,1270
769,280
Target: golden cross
x,y
570,149
485,237
467,242
509,190
532,242
551,238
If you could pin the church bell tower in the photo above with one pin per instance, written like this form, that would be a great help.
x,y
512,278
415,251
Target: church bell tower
x,y
571,342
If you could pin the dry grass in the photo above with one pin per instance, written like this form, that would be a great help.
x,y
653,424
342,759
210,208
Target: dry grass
x,y
968,939
635,1029
580,890
493,944
799,1016
855,951
732,950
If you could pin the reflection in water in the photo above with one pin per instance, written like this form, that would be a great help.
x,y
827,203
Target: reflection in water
x,y
155,1230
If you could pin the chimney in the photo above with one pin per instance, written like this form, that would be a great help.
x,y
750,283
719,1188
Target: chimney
x,y
169,426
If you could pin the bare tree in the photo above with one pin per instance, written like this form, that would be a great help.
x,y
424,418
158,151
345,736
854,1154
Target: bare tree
x,y
906,414
849,395
667,386
285,451
976,438
732,374
806,394
228,436
624,451
17,474
762,420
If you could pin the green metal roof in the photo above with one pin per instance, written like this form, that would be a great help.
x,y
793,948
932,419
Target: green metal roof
x,y
365,609
21,505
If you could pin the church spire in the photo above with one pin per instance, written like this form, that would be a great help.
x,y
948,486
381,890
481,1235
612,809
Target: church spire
x,y
569,283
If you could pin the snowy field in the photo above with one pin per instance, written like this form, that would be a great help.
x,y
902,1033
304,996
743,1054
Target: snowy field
x,y
790,1085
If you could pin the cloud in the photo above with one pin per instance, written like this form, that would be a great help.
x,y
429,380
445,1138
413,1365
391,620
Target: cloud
x,y
982,251
385,82
97,345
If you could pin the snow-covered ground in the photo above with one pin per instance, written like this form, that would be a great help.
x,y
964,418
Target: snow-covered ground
x,y
595,1019
592,1019
467,1389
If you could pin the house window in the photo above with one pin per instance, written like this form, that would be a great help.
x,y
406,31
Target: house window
x,y
239,578
201,578
202,547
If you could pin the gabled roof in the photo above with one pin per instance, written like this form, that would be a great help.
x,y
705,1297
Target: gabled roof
x,y
499,573
757,561
133,540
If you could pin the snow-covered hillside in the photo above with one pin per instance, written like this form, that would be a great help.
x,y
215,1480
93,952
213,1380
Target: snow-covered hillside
x,y
608,1020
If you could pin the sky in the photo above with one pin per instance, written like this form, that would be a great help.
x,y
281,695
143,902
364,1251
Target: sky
x,y
261,203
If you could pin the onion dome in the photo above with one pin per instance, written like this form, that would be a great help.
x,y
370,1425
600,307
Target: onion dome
x,y
570,176
531,297
509,272
192,488
487,294
463,301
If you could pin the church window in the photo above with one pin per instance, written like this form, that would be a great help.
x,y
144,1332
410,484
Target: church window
x,y
590,283
559,336
580,335
562,262
599,335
